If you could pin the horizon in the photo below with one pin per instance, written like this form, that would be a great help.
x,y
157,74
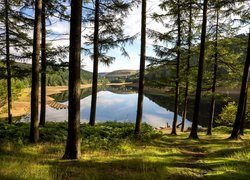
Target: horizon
x,y
131,27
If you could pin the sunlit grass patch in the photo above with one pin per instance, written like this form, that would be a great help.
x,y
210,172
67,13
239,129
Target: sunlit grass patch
x,y
243,155
21,162
186,173
23,169
111,151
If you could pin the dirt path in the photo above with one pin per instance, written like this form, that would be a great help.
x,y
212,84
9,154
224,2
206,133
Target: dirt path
x,y
194,164
192,167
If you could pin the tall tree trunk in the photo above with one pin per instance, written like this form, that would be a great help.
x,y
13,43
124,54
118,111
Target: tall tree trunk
x,y
242,124
243,93
194,134
73,150
43,74
188,66
34,125
176,106
8,62
95,66
212,104
142,69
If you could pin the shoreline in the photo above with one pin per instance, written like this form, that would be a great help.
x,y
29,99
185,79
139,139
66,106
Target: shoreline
x,y
21,106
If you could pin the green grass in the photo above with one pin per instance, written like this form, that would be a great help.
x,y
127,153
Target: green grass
x,y
110,151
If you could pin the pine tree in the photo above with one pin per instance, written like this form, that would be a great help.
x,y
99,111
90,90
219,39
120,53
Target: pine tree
x,y
14,42
142,69
222,10
170,56
109,35
242,124
243,94
47,52
212,104
194,134
19,25
43,67
95,65
8,67
34,124
184,114
176,106
73,150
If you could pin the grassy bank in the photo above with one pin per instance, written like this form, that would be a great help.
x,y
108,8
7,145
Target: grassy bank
x,y
110,151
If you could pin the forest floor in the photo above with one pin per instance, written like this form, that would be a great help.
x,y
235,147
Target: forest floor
x,y
110,151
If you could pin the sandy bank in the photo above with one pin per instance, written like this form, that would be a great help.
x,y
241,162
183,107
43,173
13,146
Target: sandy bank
x,y
21,106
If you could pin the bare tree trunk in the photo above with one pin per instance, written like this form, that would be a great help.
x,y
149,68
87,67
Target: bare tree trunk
x,y
34,124
242,124
176,106
8,66
212,104
194,133
95,66
142,69
73,150
243,93
188,66
43,74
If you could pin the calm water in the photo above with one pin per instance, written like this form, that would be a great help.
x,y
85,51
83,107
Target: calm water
x,y
114,104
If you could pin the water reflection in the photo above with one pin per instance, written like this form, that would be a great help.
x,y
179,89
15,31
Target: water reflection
x,y
115,105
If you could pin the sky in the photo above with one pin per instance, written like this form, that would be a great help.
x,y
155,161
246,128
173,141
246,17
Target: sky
x,y
132,26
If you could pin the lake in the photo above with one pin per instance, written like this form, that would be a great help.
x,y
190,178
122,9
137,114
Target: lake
x,y
119,103
115,103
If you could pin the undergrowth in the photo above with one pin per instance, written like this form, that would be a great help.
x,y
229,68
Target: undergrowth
x,y
111,151
103,135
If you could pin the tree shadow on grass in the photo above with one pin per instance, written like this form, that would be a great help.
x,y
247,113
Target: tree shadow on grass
x,y
168,158
17,154
121,169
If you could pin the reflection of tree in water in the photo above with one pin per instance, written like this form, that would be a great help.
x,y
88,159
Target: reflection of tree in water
x,y
63,97
121,89
164,101
167,102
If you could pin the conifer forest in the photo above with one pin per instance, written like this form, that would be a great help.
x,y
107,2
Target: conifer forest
x,y
125,89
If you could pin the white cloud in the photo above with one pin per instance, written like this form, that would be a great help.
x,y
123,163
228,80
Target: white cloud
x,y
133,21
60,27
132,27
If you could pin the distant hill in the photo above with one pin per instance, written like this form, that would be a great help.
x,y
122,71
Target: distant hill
x,y
227,73
103,74
56,76
121,73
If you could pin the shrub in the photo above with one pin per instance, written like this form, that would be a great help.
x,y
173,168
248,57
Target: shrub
x,y
108,135
228,113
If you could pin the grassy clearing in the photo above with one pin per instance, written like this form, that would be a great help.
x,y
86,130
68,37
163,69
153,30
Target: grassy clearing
x,y
110,151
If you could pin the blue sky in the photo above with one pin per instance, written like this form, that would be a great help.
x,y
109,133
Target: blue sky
x,y
131,27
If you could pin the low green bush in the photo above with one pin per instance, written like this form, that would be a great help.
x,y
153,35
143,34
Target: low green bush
x,y
106,135
228,113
